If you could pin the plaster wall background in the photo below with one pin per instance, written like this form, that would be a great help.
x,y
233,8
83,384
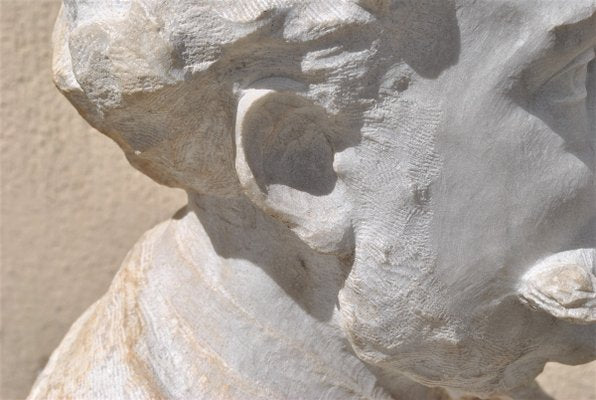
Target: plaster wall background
x,y
71,207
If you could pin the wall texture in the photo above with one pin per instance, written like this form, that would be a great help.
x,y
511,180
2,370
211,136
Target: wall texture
x,y
71,207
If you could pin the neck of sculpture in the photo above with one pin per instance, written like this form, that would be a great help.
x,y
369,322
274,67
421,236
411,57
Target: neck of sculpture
x,y
241,234
283,294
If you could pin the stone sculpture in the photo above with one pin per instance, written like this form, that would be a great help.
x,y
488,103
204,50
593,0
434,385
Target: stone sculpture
x,y
387,198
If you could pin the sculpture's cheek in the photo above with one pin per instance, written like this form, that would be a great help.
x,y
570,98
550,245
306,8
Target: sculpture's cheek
x,y
491,353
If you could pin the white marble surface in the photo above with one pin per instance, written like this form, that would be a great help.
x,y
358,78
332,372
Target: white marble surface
x,y
384,196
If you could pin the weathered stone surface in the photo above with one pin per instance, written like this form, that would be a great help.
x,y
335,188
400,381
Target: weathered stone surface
x,y
384,196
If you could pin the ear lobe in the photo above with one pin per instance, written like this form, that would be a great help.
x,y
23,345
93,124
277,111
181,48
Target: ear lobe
x,y
563,285
285,148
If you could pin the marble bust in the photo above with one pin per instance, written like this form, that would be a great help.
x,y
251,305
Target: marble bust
x,y
386,198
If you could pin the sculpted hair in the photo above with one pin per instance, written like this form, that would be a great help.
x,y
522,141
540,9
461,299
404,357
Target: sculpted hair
x,y
168,94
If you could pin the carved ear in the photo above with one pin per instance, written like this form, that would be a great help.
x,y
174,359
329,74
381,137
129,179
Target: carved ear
x,y
285,148
564,286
